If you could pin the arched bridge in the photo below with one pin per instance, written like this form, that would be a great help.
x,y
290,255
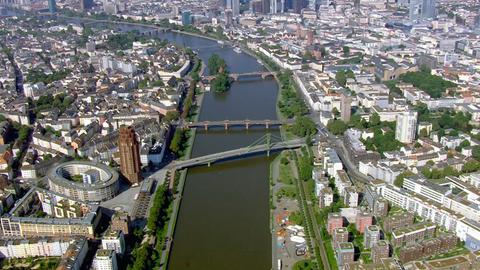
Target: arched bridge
x,y
231,123
237,76
262,145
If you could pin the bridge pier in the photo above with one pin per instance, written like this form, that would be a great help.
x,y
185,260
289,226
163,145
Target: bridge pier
x,y
206,127
246,125
226,125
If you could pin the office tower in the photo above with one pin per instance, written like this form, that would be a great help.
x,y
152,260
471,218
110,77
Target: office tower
x,y
265,6
52,6
429,9
129,155
186,17
345,107
273,7
234,5
406,125
371,236
312,4
297,6
422,9
86,4
256,6
228,17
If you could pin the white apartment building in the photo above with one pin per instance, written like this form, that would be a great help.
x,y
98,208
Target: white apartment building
x,y
114,240
406,126
29,248
105,259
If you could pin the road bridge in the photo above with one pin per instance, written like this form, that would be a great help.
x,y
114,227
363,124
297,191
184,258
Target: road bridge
x,y
247,123
251,150
237,76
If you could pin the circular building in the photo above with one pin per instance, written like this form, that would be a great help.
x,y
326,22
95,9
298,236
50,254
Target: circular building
x,y
84,181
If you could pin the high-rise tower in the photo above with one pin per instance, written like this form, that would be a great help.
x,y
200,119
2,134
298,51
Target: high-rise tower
x,y
129,155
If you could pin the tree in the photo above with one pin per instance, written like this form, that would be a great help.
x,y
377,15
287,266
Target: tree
x,y
346,51
471,166
221,83
303,126
476,152
171,116
337,127
401,177
375,120
342,75
176,142
216,64
335,112
423,133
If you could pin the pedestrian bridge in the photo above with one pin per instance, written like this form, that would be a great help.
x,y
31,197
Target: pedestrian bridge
x,y
226,124
261,146
248,75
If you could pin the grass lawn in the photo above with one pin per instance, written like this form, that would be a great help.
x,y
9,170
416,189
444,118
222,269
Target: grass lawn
x,y
303,265
330,254
286,176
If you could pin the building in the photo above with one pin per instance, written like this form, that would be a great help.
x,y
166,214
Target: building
x,y
406,126
340,235
74,256
121,222
345,253
422,9
114,240
86,4
351,197
84,181
396,221
345,108
362,221
52,6
371,236
325,198
105,259
233,5
410,253
335,220
186,17
413,234
380,250
33,248
129,155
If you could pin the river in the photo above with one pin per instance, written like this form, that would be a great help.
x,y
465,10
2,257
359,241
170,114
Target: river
x,y
224,218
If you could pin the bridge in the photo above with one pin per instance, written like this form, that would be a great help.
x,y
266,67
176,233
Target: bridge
x,y
237,76
231,123
260,146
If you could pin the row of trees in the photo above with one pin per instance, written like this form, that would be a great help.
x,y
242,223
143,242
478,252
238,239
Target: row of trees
x,y
145,256
290,103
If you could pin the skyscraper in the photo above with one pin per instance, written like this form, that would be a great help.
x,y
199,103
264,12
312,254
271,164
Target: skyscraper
x,y
298,5
129,155
422,9
345,107
86,4
52,6
266,6
186,17
406,125
273,7
234,5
